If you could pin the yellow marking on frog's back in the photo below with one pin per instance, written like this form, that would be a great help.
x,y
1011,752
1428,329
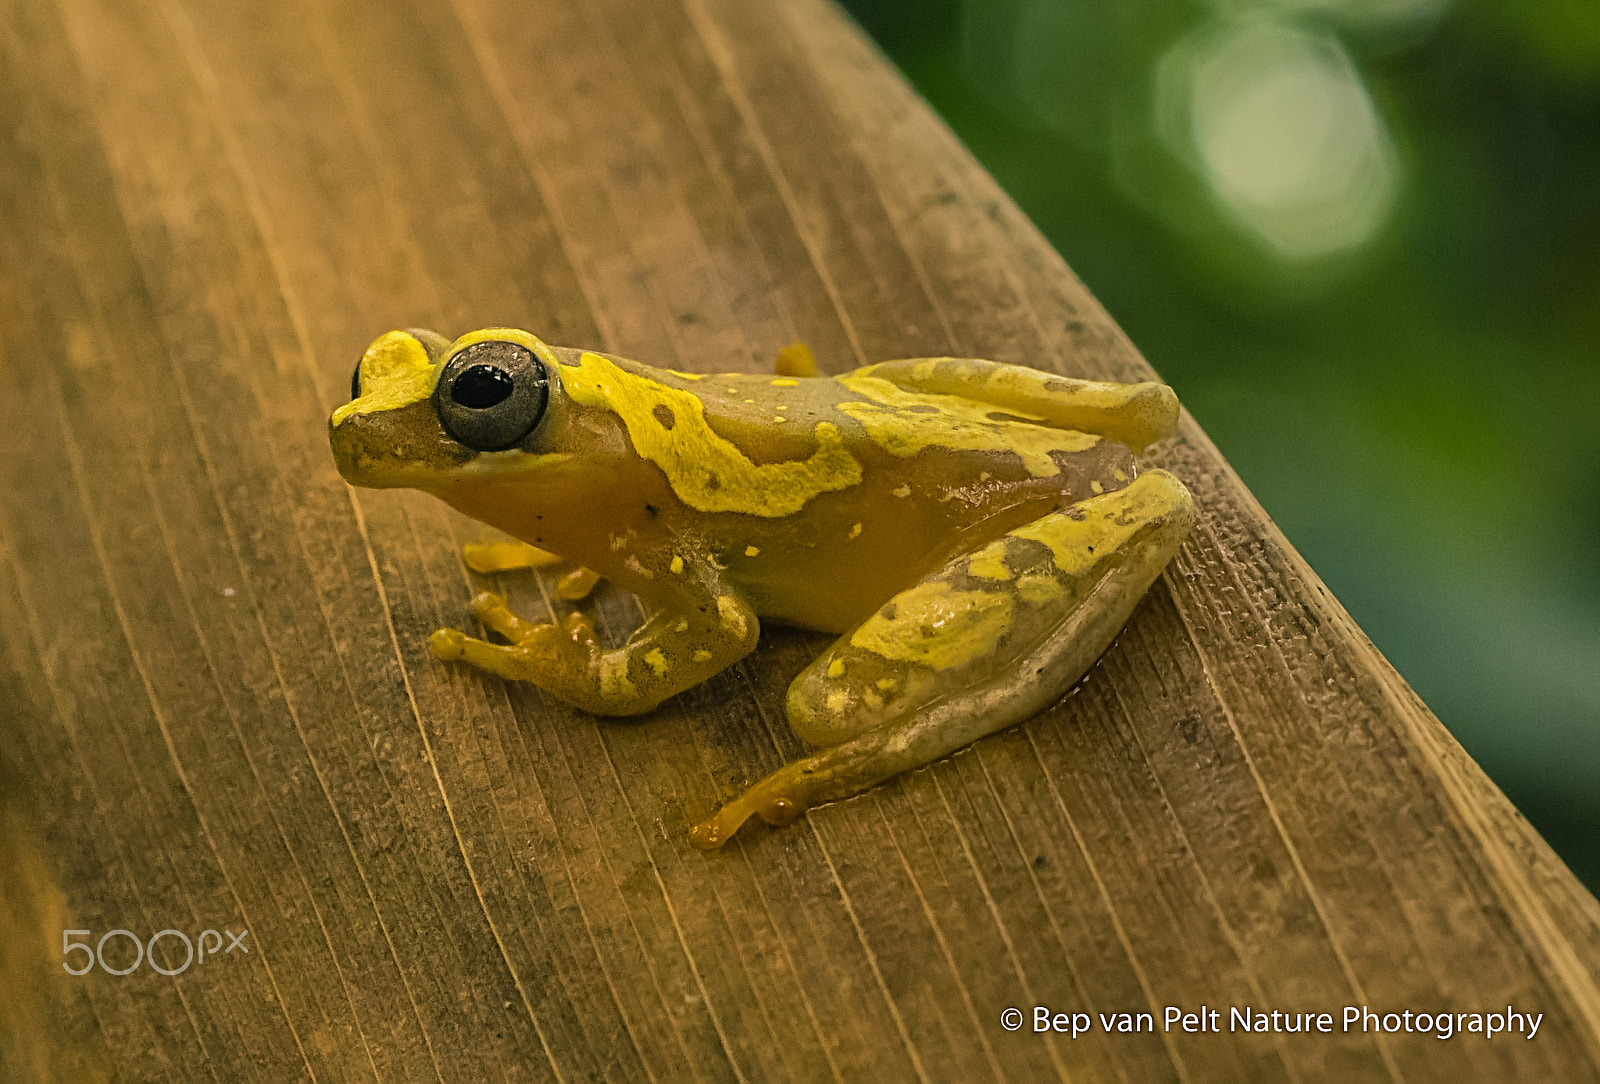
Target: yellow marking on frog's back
x,y
707,472
905,422
937,626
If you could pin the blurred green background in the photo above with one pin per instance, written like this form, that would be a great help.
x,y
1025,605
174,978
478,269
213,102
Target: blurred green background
x,y
1362,240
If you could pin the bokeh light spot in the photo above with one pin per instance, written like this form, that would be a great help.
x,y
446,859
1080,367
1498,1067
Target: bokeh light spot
x,y
1278,123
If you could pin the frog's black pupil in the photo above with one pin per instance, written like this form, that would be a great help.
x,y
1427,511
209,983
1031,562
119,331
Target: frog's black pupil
x,y
481,387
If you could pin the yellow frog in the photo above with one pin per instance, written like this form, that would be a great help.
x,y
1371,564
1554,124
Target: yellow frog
x,y
976,533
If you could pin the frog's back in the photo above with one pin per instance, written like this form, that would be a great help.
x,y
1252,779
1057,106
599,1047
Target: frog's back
x,y
859,481
927,393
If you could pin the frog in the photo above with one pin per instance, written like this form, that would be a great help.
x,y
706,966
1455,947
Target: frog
x,y
975,534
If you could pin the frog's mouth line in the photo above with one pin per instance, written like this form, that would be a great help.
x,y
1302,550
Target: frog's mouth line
x,y
514,461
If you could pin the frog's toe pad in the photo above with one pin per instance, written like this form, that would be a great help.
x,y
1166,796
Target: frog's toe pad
x,y
708,836
448,644
711,834
778,799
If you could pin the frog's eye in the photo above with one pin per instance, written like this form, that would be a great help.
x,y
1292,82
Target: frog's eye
x,y
491,395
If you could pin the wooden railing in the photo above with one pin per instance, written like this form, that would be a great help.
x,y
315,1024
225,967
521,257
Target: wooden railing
x,y
217,710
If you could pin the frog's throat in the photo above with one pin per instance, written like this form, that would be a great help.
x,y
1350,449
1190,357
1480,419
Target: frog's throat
x,y
708,472
396,370
904,422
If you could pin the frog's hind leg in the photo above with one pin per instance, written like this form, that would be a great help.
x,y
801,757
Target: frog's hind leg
x,y
987,641
1135,414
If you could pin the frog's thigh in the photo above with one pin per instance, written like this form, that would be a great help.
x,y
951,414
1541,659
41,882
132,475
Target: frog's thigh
x,y
987,641
1008,628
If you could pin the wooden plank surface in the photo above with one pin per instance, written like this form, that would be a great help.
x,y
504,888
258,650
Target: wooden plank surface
x,y
219,712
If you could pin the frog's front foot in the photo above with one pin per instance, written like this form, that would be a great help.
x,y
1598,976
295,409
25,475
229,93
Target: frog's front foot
x,y
534,647
666,655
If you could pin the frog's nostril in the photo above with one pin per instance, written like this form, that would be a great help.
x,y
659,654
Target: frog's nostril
x,y
355,382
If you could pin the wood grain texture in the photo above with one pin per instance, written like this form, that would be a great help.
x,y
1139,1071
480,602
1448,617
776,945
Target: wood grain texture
x,y
219,711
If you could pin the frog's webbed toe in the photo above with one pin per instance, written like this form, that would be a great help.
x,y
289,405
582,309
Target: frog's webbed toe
x,y
987,641
492,610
